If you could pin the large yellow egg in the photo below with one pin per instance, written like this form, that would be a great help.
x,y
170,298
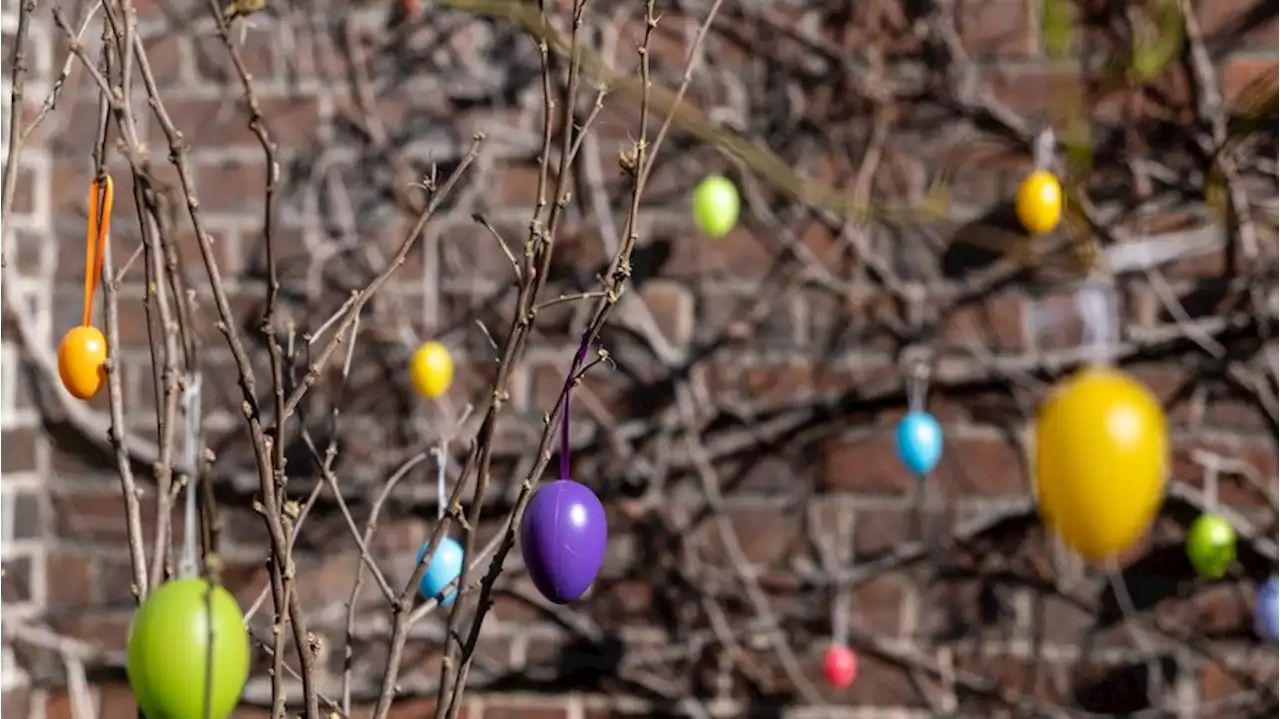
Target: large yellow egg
x,y
82,358
1101,457
1039,203
431,370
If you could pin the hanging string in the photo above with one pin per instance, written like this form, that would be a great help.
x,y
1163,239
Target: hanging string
x,y
441,452
1041,318
1042,152
1211,486
917,387
567,395
917,393
101,198
840,610
188,567
1094,305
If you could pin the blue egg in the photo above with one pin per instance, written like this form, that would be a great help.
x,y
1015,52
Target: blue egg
x,y
446,565
919,442
1268,610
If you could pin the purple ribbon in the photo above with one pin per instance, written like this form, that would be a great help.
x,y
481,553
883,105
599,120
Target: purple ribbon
x,y
568,396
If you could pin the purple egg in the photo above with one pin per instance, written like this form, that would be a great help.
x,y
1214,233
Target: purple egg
x,y
563,538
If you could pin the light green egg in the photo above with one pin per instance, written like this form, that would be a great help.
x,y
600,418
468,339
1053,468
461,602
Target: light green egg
x,y
716,205
1211,545
188,652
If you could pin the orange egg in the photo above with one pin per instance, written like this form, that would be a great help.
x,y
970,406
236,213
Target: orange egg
x,y
82,357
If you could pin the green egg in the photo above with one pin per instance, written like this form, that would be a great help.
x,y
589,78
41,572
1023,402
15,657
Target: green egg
x,y
716,205
1211,545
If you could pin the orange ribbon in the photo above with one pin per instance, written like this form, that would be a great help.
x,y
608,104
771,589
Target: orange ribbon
x,y
101,197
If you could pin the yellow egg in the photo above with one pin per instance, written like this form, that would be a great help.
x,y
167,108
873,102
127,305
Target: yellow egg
x,y
1039,204
431,370
1101,457
82,357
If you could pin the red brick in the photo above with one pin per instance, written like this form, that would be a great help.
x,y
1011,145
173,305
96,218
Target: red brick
x,y
879,529
984,465
517,185
1221,609
1215,683
224,123
1170,384
16,702
765,534
1236,24
606,385
24,197
1063,621
525,710
69,578
671,307
105,629
1240,72
994,325
877,606
165,52
998,29
773,383
769,316
738,254
231,185
418,708
114,700
1231,491
98,516
865,464
212,62
21,447
1236,414
1040,678
629,601
1033,87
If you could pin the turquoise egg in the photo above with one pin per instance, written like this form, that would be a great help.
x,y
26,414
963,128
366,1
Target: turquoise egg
x,y
446,565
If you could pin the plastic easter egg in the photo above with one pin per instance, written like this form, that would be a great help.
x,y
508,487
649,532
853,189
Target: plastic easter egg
x,y
1268,610
716,205
1211,545
563,537
82,357
431,370
446,565
180,627
919,442
840,666
1100,460
1039,202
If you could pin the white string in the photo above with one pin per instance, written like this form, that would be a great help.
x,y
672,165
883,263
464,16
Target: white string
x,y
1094,305
1211,486
188,567
840,609
917,387
1042,152
917,392
442,462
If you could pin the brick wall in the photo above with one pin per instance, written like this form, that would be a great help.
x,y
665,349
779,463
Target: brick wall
x,y
800,359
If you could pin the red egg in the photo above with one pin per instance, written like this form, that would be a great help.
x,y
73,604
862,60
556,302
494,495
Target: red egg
x,y
840,666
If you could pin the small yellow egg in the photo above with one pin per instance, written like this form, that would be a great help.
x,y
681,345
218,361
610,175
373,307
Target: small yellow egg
x,y
82,357
431,370
1039,204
